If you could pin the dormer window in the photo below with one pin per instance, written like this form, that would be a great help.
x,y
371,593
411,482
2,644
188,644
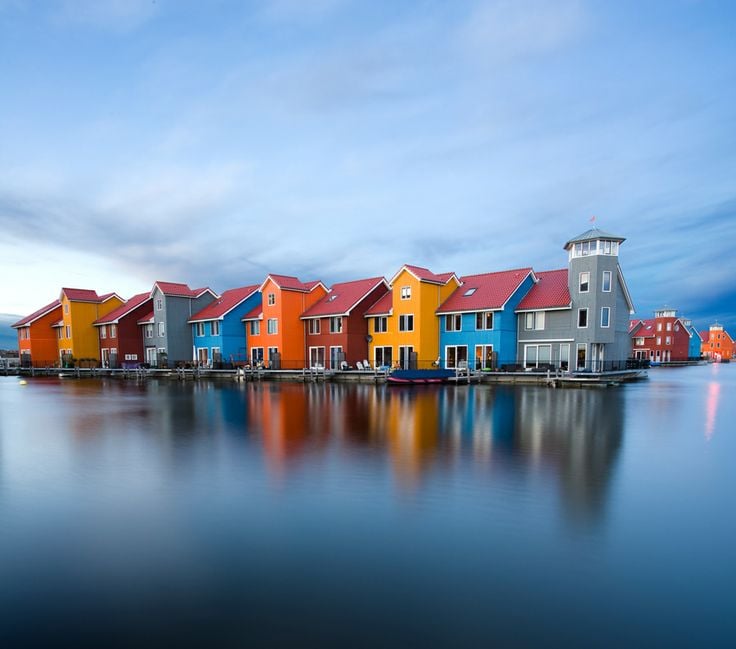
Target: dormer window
x,y
406,292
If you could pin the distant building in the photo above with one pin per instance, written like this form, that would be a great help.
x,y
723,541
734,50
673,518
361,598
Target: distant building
x,y
662,339
717,343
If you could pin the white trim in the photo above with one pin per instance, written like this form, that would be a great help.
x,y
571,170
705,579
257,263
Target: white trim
x,y
546,308
546,340
587,319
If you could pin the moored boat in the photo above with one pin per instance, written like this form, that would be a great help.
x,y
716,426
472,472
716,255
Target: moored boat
x,y
418,377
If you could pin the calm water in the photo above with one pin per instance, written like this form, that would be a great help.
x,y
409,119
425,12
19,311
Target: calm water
x,y
225,515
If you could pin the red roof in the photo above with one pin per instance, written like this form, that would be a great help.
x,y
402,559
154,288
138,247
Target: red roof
x,y
646,330
425,275
550,292
343,297
485,291
179,290
37,314
146,319
256,313
227,302
81,294
383,306
123,309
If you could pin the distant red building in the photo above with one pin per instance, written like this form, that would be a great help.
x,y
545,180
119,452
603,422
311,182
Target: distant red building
x,y
120,337
717,343
661,339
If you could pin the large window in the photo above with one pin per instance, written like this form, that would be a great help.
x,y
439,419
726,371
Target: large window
x,y
272,326
313,328
536,355
336,324
584,281
534,320
453,322
382,357
484,320
406,292
255,327
380,324
605,316
406,322
484,357
317,357
256,355
564,356
582,318
606,287
456,356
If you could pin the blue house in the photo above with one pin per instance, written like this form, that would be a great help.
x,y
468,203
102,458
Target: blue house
x,y
478,322
217,330
694,346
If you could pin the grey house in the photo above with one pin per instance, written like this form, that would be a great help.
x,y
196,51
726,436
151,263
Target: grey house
x,y
168,338
577,318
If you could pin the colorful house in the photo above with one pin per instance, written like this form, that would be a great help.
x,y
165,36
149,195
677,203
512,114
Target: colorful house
x,y
275,333
695,340
478,321
37,338
662,339
582,310
120,338
403,327
77,333
217,330
717,343
337,331
170,343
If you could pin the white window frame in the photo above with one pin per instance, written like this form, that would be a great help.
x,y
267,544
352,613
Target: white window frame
x,y
271,299
255,356
382,362
484,316
215,328
314,327
607,311
336,324
453,322
161,329
480,365
536,347
113,331
404,322
457,359
317,357
580,313
406,292
149,330
103,332
380,324
68,331
272,326
200,329
215,350
159,304
535,319
584,281
255,328
607,275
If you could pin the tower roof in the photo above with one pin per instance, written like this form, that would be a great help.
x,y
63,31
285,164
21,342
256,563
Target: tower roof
x,y
592,235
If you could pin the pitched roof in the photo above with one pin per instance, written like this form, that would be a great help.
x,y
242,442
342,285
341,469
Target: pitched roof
x,y
289,283
226,303
256,313
550,292
484,291
424,275
44,310
343,297
593,234
81,294
633,324
146,319
124,309
58,323
176,289
383,306
646,330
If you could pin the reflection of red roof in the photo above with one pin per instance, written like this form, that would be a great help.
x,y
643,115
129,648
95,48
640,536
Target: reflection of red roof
x,y
343,297
425,275
44,310
227,302
382,307
123,309
146,319
256,313
485,291
81,294
180,290
550,292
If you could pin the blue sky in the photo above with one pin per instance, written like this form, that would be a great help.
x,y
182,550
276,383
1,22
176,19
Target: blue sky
x,y
215,142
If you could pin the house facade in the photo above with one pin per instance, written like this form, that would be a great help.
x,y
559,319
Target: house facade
x,y
578,318
217,330
662,339
403,327
478,321
121,343
80,308
170,341
336,327
275,332
717,343
37,338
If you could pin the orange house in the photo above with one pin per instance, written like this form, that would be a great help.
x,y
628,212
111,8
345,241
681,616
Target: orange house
x,y
717,343
275,333
37,337
78,338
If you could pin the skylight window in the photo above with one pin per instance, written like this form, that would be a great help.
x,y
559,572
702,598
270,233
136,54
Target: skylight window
x,y
331,298
469,292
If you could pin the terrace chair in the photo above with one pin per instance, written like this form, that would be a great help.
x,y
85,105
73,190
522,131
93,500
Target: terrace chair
x,y
367,365
359,365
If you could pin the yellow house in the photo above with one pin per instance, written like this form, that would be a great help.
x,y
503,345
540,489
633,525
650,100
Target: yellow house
x,y
403,328
79,309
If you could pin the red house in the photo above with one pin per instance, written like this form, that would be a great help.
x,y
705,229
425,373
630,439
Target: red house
x,y
121,342
37,339
336,329
717,343
662,339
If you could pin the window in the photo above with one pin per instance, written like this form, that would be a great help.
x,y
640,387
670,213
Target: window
x,y
484,357
159,304
59,333
582,318
484,320
606,281
456,356
68,331
638,342
382,356
606,316
668,340
161,329
256,355
271,299
380,324
66,308
406,292
103,332
659,326
669,326
406,322
564,356
313,328
255,328
113,331
215,327
535,355
336,324
584,281
216,354
149,331
659,340
534,320
453,322
317,357
200,329
469,292
272,326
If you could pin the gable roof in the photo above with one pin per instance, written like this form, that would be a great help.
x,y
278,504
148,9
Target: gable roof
x,y
646,330
289,283
343,297
550,292
80,294
633,324
146,319
591,235
485,291
256,313
123,310
226,303
44,310
176,289
383,306
424,275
